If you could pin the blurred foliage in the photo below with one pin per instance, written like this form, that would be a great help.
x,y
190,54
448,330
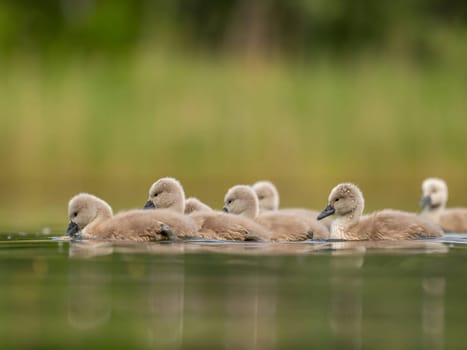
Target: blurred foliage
x,y
291,27
112,127
107,96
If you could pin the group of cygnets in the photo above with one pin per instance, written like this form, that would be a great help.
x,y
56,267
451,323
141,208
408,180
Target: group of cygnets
x,y
251,213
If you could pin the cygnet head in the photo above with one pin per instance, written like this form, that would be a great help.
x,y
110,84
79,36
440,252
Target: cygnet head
x,y
241,200
166,193
345,200
84,209
434,194
268,196
193,204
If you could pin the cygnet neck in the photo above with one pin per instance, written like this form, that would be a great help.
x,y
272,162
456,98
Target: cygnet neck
x,y
433,213
251,211
340,224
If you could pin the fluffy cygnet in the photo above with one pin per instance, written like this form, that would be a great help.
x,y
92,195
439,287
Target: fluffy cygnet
x,y
193,205
433,202
347,203
268,197
168,194
92,218
242,200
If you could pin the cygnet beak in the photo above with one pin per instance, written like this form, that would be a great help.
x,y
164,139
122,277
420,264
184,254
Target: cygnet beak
x,y
225,210
425,202
72,229
329,210
149,205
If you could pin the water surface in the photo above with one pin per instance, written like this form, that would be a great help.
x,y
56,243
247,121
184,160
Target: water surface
x,y
58,294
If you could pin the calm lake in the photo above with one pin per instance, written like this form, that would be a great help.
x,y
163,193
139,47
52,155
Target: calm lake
x,y
57,294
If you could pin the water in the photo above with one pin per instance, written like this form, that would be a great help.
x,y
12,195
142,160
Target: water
x,y
57,294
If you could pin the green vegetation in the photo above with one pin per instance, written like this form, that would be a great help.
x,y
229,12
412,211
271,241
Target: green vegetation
x,y
112,127
293,28
107,96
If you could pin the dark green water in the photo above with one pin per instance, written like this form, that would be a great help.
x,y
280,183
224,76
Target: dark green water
x,y
72,295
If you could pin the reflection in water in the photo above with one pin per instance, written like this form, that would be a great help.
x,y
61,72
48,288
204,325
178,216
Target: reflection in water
x,y
345,308
165,295
251,310
89,304
433,312
234,298
162,288
386,247
89,249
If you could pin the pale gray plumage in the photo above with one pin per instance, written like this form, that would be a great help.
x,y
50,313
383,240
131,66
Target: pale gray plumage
x,y
242,200
347,203
218,225
268,195
183,226
168,194
434,200
193,205
268,201
92,218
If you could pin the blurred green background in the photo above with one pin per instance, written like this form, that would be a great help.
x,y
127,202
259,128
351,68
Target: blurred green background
x,y
108,96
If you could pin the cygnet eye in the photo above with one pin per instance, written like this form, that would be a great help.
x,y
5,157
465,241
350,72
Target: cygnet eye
x,y
75,214
260,197
337,199
229,201
156,194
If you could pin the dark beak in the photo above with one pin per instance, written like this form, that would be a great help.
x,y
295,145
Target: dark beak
x,y
425,202
329,210
72,229
225,210
149,205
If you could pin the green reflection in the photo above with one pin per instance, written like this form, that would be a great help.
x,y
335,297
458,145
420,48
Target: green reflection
x,y
354,295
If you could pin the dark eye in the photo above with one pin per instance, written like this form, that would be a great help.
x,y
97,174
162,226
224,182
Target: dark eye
x,y
260,197
229,201
156,194
337,199
75,214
